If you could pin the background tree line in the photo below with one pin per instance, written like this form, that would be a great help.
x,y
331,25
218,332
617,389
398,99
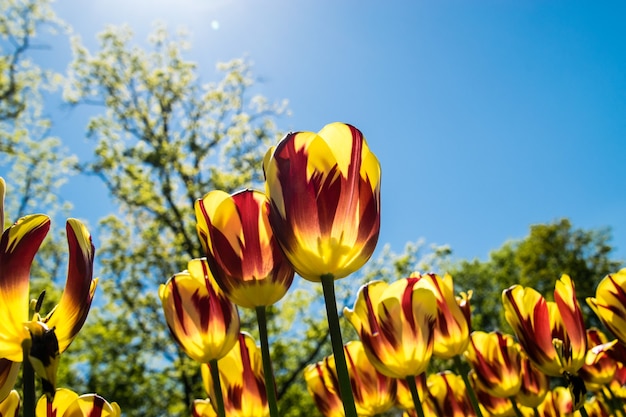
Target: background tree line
x,y
162,138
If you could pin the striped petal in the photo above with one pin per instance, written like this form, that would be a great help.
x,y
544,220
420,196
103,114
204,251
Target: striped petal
x,y
8,375
18,247
609,303
323,385
70,314
203,408
63,397
203,321
527,313
241,378
324,191
241,249
575,338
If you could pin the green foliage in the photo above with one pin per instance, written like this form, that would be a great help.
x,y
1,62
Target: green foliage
x,y
537,261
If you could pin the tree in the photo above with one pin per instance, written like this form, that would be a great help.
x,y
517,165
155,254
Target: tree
x,y
537,261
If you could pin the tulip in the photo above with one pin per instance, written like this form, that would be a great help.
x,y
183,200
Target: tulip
x,y
535,384
551,333
494,406
449,396
373,392
600,367
324,191
40,340
67,403
241,380
396,325
10,406
496,360
396,322
404,398
609,303
241,250
452,325
202,320
323,385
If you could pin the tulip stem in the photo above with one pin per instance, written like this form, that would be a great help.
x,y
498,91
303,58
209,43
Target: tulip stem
x,y
345,388
268,373
468,386
518,413
583,412
217,387
28,380
417,403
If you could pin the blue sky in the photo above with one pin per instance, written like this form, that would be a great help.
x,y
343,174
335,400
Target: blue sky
x,y
487,116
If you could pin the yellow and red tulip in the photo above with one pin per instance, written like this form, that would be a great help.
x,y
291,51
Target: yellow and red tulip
x,y
492,405
241,249
449,395
535,384
241,380
201,318
10,405
496,360
609,304
373,392
452,325
44,338
396,322
600,366
323,385
551,333
67,403
324,191
9,371
404,398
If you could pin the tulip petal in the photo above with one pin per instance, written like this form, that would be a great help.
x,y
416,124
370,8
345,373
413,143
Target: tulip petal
x,y
63,398
8,375
93,405
70,314
203,408
203,321
572,317
10,406
609,303
18,247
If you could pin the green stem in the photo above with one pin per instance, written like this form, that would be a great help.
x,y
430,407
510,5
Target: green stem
x,y
583,412
518,413
468,386
345,389
268,373
28,379
536,412
217,387
417,403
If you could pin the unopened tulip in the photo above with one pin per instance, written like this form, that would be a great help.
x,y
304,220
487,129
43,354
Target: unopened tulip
x,y
324,191
203,321
449,395
535,384
395,322
600,366
609,304
374,393
496,360
241,380
241,249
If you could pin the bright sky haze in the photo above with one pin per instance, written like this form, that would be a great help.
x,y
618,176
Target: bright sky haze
x,y
487,116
